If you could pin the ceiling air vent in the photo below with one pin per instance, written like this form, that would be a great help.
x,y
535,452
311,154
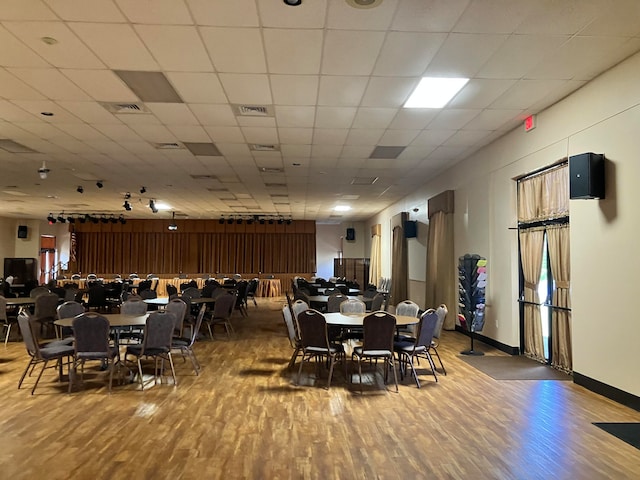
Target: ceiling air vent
x,y
260,147
204,177
116,108
253,110
271,170
168,146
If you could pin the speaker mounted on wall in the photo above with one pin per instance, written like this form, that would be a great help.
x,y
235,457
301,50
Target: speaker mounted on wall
x,y
351,234
23,231
410,229
586,176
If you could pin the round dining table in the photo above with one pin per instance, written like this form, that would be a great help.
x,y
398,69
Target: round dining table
x,y
116,320
357,320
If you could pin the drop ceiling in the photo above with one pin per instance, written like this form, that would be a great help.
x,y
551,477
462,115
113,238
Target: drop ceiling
x,y
253,107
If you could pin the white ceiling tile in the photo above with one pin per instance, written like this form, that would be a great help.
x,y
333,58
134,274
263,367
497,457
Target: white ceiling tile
x,y
198,87
154,133
465,138
117,45
462,55
480,93
86,10
68,52
295,116
398,137
453,118
246,89
525,93
25,10
35,107
616,21
236,50
157,12
350,52
214,115
169,45
238,13
357,151
72,145
295,136
330,136
306,15
81,131
432,137
558,18
90,112
326,152
407,54
496,16
119,133
231,149
388,91
14,53
428,16
293,51
265,136
189,133
341,91
415,152
413,118
295,150
101,85
138,119
345,17
173,113
495,119
294,89
335,117
51,83
247,121
364,136
41,129
519,54
12,87
372,117
225,134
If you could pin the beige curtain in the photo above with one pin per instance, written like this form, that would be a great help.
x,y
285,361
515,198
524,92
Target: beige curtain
x,y
441,281
531,242
558,241
544,196
399,267
375,270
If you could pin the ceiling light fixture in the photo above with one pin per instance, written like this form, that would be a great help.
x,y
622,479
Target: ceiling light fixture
x,y
126,205
99,184
121,219
51,219
43,170
152,206
127,196
172,226
221,221
143,190
71,219
61,218
292,3
434,92
80,189
342,208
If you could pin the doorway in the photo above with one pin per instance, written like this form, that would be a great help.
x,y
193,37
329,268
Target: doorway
x,y
48,256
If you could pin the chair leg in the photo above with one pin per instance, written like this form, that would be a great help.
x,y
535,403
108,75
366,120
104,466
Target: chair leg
x,y
140,374
332,362
395,375
300,369
24,374
44,365
435,350
173,372
6,338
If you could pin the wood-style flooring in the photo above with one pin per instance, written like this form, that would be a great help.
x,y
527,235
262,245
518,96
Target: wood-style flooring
x,y
243,418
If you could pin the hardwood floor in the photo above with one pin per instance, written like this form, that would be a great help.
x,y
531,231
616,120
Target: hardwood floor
x,y
243,418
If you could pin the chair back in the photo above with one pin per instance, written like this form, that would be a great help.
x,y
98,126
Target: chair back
x,y
70,293
352,306
426,328
407,308
158,331
148,294
36,292
192,292
46,306
3,309
133,306
313,329
223,308
25,323
171,289
379,329
91,333
376,302
442,314
97,295
297,307
69,309
334,301
179,309
291,329
196,328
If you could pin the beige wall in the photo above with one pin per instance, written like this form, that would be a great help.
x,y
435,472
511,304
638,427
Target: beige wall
x,y
602,117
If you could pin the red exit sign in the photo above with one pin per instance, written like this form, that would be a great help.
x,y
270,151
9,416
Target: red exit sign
x,y
529,123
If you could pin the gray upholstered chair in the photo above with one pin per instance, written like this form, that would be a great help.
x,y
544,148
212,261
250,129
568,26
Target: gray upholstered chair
x,y
178,307
352,306
184,345
378,332
221,315
407,350
292,333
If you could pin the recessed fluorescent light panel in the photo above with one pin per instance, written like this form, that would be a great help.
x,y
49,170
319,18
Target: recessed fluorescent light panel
x,y
434,92
342,208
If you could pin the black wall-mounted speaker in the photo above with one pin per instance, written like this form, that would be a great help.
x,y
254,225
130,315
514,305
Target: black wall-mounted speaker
x,y
351,234
586,176
410,229
22,231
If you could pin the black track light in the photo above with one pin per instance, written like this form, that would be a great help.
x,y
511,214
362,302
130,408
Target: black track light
x,y
61,219
239,221
104,219
262,221
80,189
126,205
271,221
127,196
172,226
94,219
51,219
250,221
113,219
221,221
121,219
292,3
143,190
152,206
229,220
289,221
71,220
99,184
280,221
